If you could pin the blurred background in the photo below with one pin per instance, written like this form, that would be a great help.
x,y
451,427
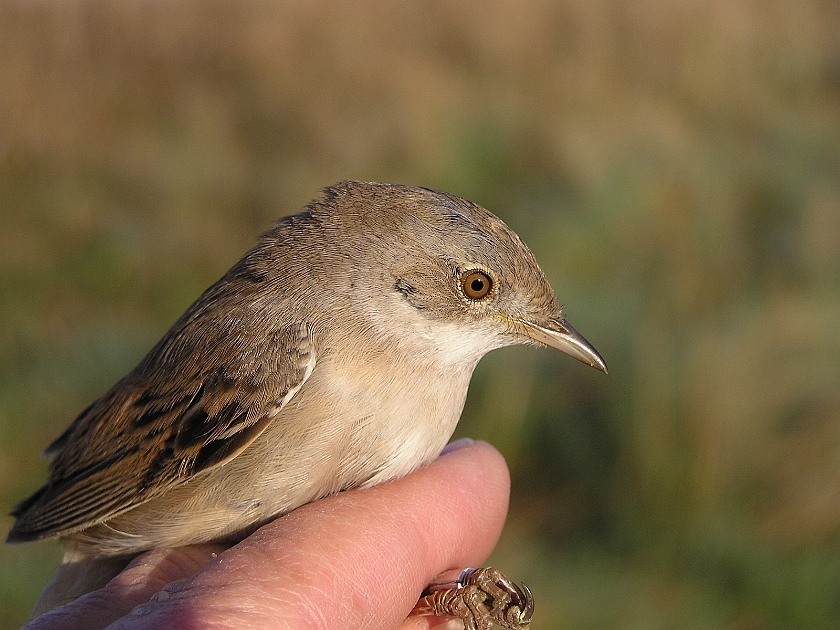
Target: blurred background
x,y
675,166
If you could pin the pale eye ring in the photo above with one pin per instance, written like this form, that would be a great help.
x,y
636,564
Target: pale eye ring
x,y
476,284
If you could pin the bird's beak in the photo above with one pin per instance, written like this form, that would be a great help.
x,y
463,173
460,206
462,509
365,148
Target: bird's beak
x,y
560,334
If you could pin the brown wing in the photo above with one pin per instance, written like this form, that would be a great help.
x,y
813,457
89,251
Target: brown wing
x,y
195,402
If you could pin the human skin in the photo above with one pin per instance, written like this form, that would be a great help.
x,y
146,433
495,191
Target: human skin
x,y
358,559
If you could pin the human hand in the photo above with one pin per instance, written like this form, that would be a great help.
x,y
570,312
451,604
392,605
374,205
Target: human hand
x,y
358,559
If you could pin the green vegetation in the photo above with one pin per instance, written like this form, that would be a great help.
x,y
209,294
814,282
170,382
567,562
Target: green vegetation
x,y
676,170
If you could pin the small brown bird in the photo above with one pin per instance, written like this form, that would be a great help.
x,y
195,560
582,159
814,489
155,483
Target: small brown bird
x,y
337,353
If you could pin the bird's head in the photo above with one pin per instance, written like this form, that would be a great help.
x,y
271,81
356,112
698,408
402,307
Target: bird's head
x,y
442,268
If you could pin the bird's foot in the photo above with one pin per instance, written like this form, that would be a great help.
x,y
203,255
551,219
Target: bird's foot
x,y
480,598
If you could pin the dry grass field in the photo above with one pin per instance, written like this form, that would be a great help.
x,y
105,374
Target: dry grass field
x,y
675,166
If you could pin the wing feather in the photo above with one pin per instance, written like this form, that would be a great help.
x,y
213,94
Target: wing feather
x,y
150,433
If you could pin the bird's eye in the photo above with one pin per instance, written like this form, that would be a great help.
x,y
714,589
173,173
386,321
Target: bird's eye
x,y
476,285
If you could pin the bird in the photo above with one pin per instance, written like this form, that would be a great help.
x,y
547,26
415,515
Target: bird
x,y
337,353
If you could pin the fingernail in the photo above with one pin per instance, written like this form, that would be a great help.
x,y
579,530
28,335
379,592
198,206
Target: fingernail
x,y
457,445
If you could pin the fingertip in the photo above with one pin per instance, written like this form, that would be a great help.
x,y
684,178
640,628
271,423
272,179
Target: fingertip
x,y
476,462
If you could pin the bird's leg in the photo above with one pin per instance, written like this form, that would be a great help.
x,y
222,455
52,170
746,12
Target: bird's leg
x,y
480,598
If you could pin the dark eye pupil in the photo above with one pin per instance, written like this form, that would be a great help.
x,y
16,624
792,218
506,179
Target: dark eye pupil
x,y
477,285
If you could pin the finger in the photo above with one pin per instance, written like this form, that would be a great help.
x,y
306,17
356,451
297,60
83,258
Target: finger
x,y
358,559
134,584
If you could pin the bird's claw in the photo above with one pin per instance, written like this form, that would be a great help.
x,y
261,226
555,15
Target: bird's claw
x,y
480,598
